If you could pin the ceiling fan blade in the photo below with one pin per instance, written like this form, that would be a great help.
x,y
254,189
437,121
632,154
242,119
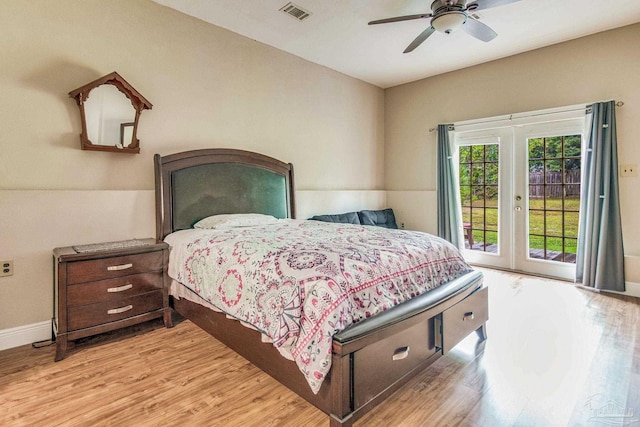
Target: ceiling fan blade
x,y
478,30
401,18
487,4
418,40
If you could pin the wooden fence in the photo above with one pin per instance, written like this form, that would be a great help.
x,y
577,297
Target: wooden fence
x,y
554,191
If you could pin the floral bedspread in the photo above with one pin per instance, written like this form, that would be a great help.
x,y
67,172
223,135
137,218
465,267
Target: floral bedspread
x,y
300,282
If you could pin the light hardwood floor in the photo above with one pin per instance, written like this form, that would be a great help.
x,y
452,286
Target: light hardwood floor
x,y
555,355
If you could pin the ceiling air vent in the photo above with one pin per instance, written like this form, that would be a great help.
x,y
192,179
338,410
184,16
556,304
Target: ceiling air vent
x,y
295,11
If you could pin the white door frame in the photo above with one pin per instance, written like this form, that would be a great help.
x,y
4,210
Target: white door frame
x,y
511,133
503,137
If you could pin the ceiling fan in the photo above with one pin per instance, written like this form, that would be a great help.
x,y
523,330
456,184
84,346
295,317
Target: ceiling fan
x,y
449,15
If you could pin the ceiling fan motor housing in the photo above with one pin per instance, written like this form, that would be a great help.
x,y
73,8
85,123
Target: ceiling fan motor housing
x,y
442,6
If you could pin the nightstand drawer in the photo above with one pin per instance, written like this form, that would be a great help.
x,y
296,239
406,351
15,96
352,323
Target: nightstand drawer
x,y
89,315
113,289
107,268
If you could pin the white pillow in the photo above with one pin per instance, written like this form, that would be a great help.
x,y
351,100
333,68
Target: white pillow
x,y
226,221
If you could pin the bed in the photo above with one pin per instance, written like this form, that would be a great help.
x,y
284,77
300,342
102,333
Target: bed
x,y
365,361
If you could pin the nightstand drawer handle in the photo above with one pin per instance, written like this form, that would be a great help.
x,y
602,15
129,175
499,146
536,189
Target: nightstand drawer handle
x,y
120,288
120,310
468,316
119,267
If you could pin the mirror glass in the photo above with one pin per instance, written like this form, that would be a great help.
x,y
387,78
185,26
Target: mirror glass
x,y
110,117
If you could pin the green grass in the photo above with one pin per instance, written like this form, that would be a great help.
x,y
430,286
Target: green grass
x,y
487,220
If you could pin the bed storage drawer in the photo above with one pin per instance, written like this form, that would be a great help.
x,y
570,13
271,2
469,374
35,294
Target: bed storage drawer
x,y
464,318
384,362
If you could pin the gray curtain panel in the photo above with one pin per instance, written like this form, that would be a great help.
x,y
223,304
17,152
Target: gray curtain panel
x,y
449,216
600,255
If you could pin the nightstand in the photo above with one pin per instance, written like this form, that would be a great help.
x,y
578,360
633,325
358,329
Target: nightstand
x,y
102,287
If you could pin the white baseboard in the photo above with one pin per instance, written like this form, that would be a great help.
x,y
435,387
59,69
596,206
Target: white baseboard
x,y
633,289
27,334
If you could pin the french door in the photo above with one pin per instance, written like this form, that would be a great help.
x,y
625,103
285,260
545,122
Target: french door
x,y
520,196
485,169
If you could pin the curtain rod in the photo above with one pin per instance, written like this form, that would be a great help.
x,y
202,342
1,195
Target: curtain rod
x,y
618,104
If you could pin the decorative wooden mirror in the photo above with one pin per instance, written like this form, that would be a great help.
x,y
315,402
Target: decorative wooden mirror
x,y
109,119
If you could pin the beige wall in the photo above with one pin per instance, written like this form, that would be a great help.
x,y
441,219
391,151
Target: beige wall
x,y
596,68
209,88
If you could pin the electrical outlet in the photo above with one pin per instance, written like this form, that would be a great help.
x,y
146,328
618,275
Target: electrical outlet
x,y
628,170
6,268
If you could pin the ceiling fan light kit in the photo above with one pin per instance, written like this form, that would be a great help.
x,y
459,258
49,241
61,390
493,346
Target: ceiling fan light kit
x,y
449,15
448,22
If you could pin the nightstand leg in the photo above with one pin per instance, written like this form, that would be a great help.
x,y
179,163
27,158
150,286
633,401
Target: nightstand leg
x,y
61,347
168,322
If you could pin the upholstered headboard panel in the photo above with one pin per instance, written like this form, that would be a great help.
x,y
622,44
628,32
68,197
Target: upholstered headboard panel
x,y
195,184
221,188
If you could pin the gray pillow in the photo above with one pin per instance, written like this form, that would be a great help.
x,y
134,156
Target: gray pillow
x,y
349,218
381,218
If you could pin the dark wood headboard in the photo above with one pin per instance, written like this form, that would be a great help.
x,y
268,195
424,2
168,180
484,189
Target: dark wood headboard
x,y
195,184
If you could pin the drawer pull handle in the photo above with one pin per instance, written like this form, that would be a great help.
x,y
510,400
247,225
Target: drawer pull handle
x,y
119,267
468,316
120,310
121,288
401,353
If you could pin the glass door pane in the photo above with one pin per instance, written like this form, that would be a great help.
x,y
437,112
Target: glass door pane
x,y
554,197
479,180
